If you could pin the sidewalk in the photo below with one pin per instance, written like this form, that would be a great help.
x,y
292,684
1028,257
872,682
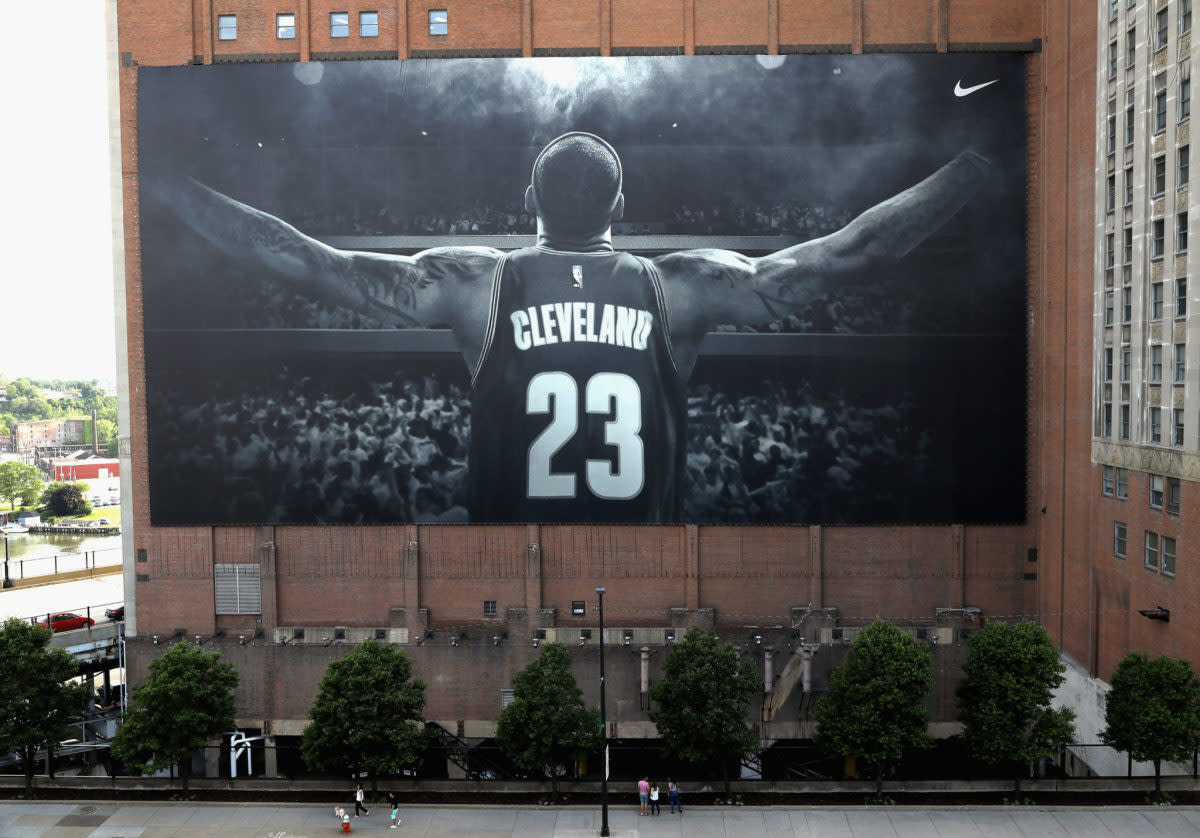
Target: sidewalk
x,y
35,819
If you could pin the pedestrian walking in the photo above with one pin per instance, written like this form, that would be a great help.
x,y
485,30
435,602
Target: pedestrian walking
x,y
655,809
394,801
673,796
358,801
644,795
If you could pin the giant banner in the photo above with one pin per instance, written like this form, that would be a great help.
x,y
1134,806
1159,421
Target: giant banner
x,y
720,289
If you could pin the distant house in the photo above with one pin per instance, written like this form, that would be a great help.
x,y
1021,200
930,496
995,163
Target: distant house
x,y
47,432
70,469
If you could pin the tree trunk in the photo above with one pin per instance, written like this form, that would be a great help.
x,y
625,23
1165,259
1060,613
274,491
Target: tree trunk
x,y
185,770
1017,787
28,762
725,777
879,782
1158,778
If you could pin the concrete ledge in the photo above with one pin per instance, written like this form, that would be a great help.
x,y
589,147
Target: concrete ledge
x,y
65,576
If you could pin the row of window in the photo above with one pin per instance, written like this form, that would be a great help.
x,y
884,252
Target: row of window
x,y
1160,550
339,25
1164,491
1162,20
1160,112
1158,241
1156,362
1157,297
1158,182
1155,430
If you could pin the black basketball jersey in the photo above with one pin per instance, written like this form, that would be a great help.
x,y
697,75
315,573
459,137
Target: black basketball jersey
x,y
577,411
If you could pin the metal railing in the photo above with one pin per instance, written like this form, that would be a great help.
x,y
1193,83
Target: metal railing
x,y
63,563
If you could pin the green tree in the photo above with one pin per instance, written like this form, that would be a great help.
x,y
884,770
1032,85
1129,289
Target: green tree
x,y
546,726
19,481
875,708
702,700
367,716
185,700
62,499
1153,711
37,698
1004,698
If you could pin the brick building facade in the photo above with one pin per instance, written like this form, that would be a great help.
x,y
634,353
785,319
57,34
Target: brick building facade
x,y
467,602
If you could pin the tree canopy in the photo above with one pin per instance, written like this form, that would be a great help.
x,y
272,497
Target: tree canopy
x,y
37,698
19,481
546,725
1153,711
875,708
186,700
62,499
367,715
702,701
1004,698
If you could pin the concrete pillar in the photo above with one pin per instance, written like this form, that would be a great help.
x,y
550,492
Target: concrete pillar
x,y
806,656
768,670
270,758
645,670
212,758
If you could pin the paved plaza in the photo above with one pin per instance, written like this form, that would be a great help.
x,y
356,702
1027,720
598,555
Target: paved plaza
x,y
37,819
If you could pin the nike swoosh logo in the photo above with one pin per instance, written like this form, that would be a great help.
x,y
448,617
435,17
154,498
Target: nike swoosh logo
x,y
961,91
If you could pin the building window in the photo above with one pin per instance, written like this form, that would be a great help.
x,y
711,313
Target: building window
x,y
1160,29
1124,421
1174,494
1160,111
1168,555
237,588
1180,362
1109,485
1122,484
1112,60
339,24
1181,230
1131,46
1156,362
489,608
1110,193
1119,539
1177,434
1181,297
1151,550
1125,364
368,24
1110,243
1112,133
1127,248
1129,187
285,27
1129,125
1156,424
1185,99
1185,16
1156,491
1156,301
1107,428
1108,308
439,22
1158,238
226,27
1108,363
1160,175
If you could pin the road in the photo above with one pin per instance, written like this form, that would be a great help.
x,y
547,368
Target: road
x,y
99,592
44,819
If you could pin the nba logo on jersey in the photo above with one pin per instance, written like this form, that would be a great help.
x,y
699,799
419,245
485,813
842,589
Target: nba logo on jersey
x,y
577,276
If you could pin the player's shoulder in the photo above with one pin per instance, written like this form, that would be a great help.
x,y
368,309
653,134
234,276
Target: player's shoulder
x,y
463,263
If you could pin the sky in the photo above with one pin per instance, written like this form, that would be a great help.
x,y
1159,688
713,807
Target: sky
x,y
56,288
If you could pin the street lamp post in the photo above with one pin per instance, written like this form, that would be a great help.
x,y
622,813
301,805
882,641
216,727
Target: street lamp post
x,y
8,582
603,727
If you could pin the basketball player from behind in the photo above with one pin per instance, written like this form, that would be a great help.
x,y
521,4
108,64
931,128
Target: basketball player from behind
x,y
579,355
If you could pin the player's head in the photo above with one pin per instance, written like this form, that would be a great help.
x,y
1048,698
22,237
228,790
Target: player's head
x,y
576,189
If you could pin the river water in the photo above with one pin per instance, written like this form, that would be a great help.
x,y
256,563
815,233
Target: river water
x,y
36,554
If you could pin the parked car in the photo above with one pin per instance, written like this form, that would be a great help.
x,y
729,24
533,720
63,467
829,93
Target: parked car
x,y
67,622
115,614
104,522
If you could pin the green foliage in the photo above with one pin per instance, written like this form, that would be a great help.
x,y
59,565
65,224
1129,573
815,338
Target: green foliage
x,y
702,699
27,404
186,700
546,725
875,708
19,481
1153,710
37,699
63,499
367,715
1004,698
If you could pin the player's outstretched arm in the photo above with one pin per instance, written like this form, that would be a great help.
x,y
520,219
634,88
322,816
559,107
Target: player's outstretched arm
x,y
401,290
706,287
